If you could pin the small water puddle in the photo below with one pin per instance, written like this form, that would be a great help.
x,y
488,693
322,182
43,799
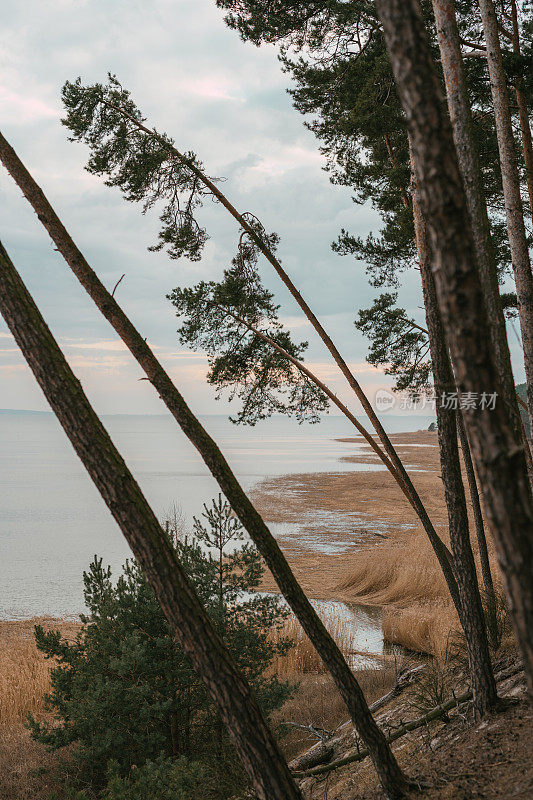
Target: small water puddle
x,y
334,532
357,630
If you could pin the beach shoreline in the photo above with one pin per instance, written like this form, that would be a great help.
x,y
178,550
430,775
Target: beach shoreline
x,y
352,536
371,500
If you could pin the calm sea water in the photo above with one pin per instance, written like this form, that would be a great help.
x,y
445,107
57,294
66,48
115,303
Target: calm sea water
x,y
53,521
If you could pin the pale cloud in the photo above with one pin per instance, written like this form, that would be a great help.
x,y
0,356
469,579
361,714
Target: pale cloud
x,y
97,364
186,354
295,322
277,164
12,368
212,87
113,345
19,109
324,369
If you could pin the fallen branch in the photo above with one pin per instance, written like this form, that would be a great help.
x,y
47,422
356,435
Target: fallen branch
x,y
404,680
406,727
320,733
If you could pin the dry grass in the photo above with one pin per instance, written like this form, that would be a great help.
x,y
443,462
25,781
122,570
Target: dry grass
x,y
318,702
398,571
403,577
423,627
27,769
303,659
24,673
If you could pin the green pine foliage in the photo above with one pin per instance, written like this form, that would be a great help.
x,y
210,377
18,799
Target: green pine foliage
x,y
124,694
343,85
240,362
144,166
399,346
149,170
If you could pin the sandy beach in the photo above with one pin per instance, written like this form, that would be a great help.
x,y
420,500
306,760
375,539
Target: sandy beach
x,y
380,511
353,536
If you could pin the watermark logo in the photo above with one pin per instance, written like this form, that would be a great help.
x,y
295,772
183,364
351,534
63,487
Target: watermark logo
x,y
384,400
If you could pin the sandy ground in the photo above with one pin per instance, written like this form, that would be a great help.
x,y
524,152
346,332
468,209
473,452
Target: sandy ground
x,y
381,510
459,759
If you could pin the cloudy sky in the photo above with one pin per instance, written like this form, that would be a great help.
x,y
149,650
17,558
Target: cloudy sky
x,y
227,101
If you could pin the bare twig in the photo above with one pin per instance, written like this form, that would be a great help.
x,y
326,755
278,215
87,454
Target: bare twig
x,y
117,283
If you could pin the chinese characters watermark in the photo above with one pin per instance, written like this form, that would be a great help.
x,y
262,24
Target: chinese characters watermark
x,y
448,401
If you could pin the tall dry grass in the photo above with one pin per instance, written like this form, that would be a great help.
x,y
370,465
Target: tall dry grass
x,y
319,703
27,770
403,576
24,672
302,658
317,700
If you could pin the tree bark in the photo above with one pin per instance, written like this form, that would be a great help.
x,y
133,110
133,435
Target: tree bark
x,y
488,584
511,190
523,111
238,708
471,615
461,119
500,462
387,768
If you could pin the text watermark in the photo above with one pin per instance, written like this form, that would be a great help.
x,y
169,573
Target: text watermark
x,y
385,400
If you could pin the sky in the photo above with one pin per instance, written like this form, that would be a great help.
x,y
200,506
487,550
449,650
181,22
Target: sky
x,y
227,101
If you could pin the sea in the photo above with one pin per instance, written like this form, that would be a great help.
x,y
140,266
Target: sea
x,y
53,521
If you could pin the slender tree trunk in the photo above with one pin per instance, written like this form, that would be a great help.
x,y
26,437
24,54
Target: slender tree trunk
x,y
471,616
394,161
488,584
461,119
440,549
499,461
253,740
110,309
389,773
511,190
523,112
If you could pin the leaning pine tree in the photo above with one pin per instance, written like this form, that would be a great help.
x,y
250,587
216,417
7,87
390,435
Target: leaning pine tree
x,y
254,742
149,168
390,775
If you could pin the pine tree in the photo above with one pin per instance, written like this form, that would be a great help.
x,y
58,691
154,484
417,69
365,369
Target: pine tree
x,y
125,692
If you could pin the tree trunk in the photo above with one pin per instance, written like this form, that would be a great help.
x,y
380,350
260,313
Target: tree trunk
x,y
389,773
440,549
251,736
523,112
499,461
471,616
461,119
490,595
511,190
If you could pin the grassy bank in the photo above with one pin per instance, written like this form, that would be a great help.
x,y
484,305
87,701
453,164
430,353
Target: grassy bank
x,y
386,560
29,772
